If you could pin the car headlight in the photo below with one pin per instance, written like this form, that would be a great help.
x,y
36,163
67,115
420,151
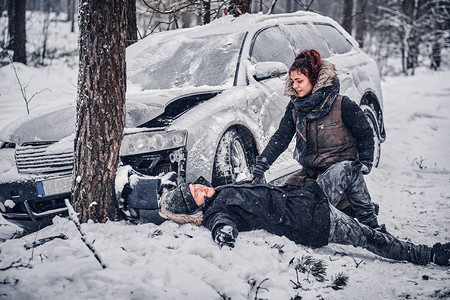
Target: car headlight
x,y
4,145
7,160
152,141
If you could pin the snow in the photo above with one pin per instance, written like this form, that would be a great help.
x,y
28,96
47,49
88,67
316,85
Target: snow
x,y
170,261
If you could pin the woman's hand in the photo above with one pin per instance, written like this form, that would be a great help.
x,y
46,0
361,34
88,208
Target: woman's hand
x,y
366,167
260,167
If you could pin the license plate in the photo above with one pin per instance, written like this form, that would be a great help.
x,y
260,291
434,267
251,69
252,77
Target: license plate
x,y
54,186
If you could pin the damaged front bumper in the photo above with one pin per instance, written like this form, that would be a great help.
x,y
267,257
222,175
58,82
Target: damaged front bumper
x,y
32,204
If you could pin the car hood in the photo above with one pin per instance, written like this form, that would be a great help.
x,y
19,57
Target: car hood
x,y
141,107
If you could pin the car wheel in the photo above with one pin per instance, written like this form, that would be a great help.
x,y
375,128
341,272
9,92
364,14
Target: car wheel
x,y
233,159
370,116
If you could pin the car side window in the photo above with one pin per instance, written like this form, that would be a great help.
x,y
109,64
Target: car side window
x,y
335,38
306,37
271,44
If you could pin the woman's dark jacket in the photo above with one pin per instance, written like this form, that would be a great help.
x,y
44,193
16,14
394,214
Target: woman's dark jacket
x,y
343,134
300,214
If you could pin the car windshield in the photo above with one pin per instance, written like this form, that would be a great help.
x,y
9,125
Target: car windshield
x,y
185,61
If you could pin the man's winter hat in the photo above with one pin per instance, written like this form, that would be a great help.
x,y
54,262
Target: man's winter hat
x,y
180,200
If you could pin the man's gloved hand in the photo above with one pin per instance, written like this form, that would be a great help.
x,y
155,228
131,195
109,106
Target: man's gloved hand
x,y
225,235
260,167
366,167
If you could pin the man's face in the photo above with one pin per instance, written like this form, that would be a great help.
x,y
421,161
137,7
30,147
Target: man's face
x,y
199,191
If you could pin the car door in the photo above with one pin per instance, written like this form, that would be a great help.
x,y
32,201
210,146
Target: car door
x,y
270,44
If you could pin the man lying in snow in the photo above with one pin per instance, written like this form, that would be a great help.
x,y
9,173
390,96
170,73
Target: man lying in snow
x,y
304,215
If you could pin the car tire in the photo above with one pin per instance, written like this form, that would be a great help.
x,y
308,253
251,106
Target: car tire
x,y
370,116
233,159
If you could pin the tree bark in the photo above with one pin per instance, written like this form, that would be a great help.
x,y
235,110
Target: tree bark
x,y
131,22
361,22
347,22
206,17
71,14
17,31
239,7
100,107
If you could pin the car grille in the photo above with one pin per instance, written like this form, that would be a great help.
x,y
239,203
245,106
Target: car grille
x,y
34,159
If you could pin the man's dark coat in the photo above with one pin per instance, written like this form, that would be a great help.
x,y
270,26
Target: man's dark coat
x,y
300,214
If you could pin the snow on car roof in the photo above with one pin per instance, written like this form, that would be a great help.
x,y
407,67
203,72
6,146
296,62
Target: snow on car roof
x,y
223,25
204,55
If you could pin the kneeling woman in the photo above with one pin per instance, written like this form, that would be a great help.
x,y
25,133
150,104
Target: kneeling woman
x,y
328,128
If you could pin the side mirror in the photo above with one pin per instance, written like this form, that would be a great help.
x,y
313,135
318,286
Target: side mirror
x,y
270,69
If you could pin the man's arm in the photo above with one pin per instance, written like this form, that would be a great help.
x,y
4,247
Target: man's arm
x,y
223,229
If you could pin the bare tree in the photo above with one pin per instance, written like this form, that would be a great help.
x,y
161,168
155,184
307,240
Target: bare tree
x,y
239,7
360,20
347,21
100,107
206,11
17,31
131,22
410,21
166,15
71,14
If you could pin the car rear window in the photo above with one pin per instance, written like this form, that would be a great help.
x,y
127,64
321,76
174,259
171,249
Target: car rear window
x,y
187,61
307,37
271,44
335,38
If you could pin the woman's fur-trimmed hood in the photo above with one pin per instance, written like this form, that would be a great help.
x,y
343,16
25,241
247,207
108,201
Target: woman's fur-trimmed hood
x,y
327,76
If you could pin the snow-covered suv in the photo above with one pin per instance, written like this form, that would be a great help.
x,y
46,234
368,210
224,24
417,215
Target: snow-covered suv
x,y
201,101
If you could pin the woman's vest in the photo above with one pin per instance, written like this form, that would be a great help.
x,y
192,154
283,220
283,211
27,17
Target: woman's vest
x,y
328,140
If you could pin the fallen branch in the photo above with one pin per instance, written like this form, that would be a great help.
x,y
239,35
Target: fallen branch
x,y
73,217
259,287
409,192
45,240
17,264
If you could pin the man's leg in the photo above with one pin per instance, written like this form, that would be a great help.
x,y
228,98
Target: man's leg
x,y
345,178
347,231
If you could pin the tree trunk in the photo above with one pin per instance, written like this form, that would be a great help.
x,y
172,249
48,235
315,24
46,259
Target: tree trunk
x,y
131,22
239,7
100,107
17,32
71,15
347,22
361,22
206,13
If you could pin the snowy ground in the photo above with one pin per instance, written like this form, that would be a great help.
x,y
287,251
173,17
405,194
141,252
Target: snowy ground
x,y
412,186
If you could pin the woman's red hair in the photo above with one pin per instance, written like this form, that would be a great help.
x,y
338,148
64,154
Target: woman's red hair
x,y
309,64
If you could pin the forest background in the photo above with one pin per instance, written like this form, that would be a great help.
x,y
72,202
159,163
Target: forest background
x,y
413,32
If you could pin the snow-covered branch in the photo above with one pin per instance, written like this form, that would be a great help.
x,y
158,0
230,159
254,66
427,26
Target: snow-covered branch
x,y
73,217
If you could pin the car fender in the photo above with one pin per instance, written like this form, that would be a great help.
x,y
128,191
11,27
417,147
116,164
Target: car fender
x,y
207,122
